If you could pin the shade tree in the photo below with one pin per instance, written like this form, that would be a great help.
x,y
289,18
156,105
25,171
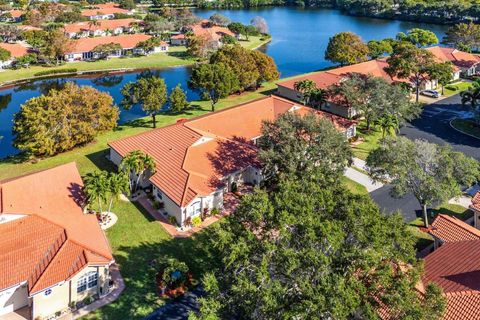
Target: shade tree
x,y
463,36
346,48
418,37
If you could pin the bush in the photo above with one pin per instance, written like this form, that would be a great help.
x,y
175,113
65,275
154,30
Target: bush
x,y
172,220
451,87
215,212
196,221
228,39
55,71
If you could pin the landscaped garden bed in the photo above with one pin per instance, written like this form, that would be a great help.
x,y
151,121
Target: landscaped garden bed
x,y
467,126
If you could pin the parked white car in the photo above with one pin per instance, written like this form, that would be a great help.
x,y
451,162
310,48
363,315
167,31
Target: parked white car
x,y
430,93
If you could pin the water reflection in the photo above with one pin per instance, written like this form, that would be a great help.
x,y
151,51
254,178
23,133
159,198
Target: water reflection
x,y
108,81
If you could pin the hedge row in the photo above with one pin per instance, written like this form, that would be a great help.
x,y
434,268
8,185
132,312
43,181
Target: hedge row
x,y
55,71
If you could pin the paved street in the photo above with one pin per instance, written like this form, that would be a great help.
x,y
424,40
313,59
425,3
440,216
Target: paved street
x,y
433,125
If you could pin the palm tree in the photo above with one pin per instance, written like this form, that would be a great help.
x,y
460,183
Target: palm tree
x,y
306,88
96,187
117,184
387,123
317,98
92,24
137,163
472,97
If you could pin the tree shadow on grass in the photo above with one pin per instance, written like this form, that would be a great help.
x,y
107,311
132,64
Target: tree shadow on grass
x,y
180,55
137,268
99,158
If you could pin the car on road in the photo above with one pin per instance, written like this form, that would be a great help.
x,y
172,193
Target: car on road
x,y
430,93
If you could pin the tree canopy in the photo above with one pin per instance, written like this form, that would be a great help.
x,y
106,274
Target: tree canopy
x,y
419,37
346,48
432,173
463,36
178,99
63,119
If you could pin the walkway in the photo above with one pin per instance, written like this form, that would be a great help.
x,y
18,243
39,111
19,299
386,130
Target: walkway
x,y
360,177
112,296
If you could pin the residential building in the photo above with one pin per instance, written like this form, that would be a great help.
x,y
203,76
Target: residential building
x,y
13,15
464,63
475,207
446,228
207,30
100,28
104,11
83,48
52,254
178,40
198,161
16,50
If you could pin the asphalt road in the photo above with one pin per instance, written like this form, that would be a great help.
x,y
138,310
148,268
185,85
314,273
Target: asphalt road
x,y
434,126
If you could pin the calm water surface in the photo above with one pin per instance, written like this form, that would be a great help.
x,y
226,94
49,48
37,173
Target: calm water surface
x,y
299,40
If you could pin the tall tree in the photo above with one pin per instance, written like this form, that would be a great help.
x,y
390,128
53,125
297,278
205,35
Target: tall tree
x,y
137,164
463,36
377,49
412,63
219,19
178,99
443,73
296,146
372,97
214,80
103,50
387,123
117,184
149,92
266,67
419,37
96,188
57,44
63,119
432,173
314,251
346,48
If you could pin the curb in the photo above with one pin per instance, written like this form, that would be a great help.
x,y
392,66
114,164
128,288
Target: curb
x,y
462,132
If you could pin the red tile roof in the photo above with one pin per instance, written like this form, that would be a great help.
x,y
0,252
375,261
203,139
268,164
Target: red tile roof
x,y
462,305
16,49
211,32
450,229
55,238
102,9
128,41
475,202
459,59
102,25
16,13
180,36
193,156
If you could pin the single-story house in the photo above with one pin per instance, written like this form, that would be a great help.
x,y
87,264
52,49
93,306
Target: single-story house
x,y
82,49
16,50
199,160
102,28
178,40
210,31
104,11
465,64
475,207
455,268
52,254
447,228
14,15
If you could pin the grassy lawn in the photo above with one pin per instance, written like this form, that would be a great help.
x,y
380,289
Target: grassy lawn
x,y
354,187
176,56
457,86
370,141
467,126
423,238
92,156
137,239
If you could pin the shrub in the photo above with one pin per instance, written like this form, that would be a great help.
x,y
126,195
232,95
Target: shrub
x,y
215,212
196,221
172,220
55,71
228,39
158,205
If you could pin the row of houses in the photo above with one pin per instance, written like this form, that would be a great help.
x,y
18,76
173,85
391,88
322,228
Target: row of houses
x,y
465,64
52,255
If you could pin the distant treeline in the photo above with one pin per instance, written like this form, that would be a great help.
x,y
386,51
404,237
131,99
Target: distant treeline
x,y
442,11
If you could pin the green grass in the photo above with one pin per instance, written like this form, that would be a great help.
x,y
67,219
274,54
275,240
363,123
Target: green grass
x,y
371,140
354,187
423,238
92,156
175,57
467,126
254,42
461,86
136,240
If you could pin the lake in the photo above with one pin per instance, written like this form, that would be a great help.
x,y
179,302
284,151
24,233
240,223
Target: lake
x,y
299,40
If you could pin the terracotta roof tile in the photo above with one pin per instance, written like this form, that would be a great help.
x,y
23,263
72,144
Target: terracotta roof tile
x,y
193,156
203,29
104,8
127,41
40,245
462,305
102,25
16,49
459,59
451,229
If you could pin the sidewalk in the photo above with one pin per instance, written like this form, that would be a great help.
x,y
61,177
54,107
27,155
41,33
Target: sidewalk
x,y
360,177
112,296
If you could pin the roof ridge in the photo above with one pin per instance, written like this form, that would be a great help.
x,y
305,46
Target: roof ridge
x,y
84,247
37,172
461,224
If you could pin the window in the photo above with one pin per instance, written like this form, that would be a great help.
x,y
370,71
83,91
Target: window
x,y
88,280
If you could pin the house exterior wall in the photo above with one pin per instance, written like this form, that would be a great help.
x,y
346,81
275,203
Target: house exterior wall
x,y
13,298
338,110
115,157
289,93
169,205
58,298
178,42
